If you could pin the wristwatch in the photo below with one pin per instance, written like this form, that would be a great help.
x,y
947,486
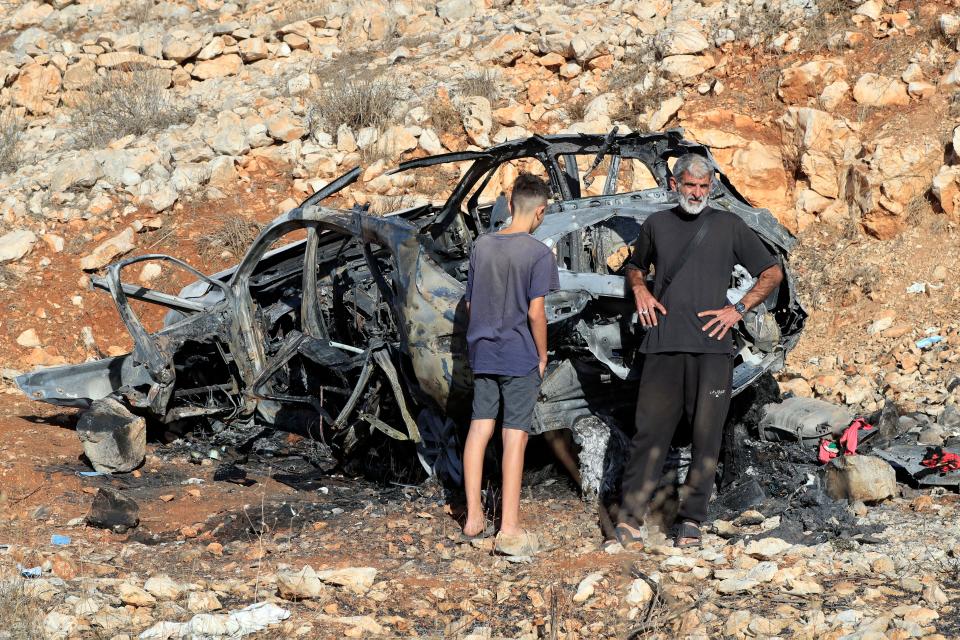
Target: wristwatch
x,y
740,307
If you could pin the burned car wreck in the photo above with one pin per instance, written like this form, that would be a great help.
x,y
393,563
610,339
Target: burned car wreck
x,y
359,328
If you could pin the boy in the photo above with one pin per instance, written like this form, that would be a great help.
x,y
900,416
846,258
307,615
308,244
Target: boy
x,y
510,273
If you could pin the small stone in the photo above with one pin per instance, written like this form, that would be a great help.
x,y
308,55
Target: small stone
x,y
203,601
639,593
163,587
134,595
767,548
28,339
586,587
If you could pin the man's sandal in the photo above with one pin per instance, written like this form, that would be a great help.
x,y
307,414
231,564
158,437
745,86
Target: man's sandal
x,y
688,535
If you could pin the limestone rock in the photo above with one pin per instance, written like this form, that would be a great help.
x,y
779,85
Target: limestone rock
x,y
358,579
162,587
668,109
681,38
286,127
150,272
880,91
29,14
860,477
801,82
767,548
57,626
946,189
134,595
113,439
833,94
16,244
226,65
639,593
586,587
253,49
28,339
503,49
203,601
302,584
80,171
395,141
36,87
223,173
453,10
79,76
949,25
180,45
108,250
477,118
685,67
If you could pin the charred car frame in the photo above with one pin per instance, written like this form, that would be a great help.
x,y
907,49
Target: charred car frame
x,y
360,327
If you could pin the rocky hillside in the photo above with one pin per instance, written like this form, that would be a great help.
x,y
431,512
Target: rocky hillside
x,y
179,127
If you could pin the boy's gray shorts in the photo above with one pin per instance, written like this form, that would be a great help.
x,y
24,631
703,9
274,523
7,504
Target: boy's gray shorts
x,y
516,394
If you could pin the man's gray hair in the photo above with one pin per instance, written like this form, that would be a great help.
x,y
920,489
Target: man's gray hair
x,y
693,165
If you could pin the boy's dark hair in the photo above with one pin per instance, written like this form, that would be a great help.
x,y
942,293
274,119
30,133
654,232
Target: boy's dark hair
x,y
529,192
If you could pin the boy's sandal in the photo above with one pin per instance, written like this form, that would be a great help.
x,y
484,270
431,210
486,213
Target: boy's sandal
x,y
627,538
483,535
688,535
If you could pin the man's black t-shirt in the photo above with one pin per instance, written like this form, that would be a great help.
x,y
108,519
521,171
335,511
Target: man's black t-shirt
x,y
701,285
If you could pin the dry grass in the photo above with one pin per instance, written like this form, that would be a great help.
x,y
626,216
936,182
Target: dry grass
x,y
127,102
576,108
485,84
20,615
355,103
444,116
234,235
11,134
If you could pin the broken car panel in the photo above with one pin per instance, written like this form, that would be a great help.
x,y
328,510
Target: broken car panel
x,y
361,326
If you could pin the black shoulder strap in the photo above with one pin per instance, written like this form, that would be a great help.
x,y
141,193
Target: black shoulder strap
x,y
688,250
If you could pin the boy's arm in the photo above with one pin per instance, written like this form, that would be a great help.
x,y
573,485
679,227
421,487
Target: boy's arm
x,y
537,315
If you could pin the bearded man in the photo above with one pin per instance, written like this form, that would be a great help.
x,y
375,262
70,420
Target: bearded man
x,y
688,363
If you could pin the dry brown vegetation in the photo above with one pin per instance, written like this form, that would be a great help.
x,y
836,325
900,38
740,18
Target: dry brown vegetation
x,y
20,615
485,84
127,102
234,235
355,103
11,132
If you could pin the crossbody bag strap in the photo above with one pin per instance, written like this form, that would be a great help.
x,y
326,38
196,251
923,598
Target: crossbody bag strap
x,y
688,250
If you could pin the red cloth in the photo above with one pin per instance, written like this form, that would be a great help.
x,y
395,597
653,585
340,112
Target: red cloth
x,y
850,435
942,461
828,451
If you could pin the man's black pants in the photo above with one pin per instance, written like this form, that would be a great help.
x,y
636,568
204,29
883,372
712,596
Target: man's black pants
x,y
674,385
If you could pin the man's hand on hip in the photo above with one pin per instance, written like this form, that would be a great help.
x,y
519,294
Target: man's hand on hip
x,y
723,320
647,307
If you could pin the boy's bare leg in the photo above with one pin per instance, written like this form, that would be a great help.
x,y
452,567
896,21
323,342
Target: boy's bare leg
x,y
514,445
473,452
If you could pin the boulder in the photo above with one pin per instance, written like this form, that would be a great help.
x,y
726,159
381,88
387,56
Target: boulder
x,y
833,94
162,587
395,141
80,171
875,90
286,127
681,38
685,67
663,115
800,82
113,439
16,244
180,45
227,65
503,49
253,49
477,118
946,188
301,584
859,477
453,10
36,87
108,250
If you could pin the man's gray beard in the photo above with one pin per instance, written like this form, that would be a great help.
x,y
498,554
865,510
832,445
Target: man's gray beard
x,y
692,209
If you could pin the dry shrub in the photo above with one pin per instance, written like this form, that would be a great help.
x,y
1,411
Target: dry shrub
x,y
485,84
234,235
11,133
22,615
355,103
576,108
127,102
444,116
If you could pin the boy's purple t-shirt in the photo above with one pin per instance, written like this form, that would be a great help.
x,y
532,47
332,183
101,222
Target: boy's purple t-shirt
x,y
507,271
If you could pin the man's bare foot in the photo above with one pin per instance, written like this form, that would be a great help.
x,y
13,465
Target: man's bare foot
x,y
474,526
